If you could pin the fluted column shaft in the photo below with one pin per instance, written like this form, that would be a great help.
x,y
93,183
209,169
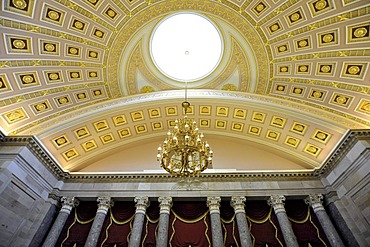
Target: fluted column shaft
x,y
142,202
237,202
67,204
315,201
214,211
104,203
164,218
277,202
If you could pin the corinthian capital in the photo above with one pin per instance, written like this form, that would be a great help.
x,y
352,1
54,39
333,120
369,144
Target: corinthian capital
x,y
165,204
142,202
213,203
68,202
277,202
104,203
315,201
237,202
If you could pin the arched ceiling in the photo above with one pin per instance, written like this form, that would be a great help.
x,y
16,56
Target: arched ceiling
x,y
293,79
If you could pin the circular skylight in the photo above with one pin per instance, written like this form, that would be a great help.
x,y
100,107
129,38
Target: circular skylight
x,y
186,47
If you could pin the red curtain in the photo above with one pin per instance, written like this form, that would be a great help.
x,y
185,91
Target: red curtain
x,y
229,225
189,225
305,224
263,225
78,225
149,234
117,225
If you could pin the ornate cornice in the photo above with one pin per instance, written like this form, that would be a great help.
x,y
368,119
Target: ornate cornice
x,y
39,151
348,141
343,147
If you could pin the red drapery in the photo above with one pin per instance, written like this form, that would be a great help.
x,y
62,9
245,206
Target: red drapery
x,y
78,225
189,225
305,224
117,225
149,234
229,225
263,225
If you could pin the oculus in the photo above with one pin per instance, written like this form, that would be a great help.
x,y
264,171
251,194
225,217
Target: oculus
x,y
186,47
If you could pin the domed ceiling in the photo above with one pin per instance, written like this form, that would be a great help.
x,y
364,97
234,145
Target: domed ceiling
x,y
293,78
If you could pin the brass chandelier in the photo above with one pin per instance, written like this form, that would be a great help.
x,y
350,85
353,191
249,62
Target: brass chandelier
x,y
183,152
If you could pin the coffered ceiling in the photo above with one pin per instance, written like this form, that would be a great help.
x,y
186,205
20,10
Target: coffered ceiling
x,y
292,80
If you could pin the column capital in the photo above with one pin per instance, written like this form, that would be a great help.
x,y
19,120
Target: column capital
x,y
104,203
68,202
142,202
277,202
213,202
237,202
165,204
315,201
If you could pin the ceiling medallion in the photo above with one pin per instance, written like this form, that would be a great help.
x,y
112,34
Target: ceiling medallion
x,y
183,152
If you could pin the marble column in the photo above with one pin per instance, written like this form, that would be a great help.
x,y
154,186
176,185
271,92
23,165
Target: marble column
x,y
104,203
142,202
164,218
315,201
214,210
277,202
67,204
237,202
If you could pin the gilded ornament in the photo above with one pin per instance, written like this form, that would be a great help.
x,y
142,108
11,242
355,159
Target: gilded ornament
x,y
297,90
73,50
81,96
283,69
282,48
93,1
229,87
70,154
321,4
111,13
19,44
317,94
360,32
20,4
298,127
312,149
328,38
147,89
53,76
295,17
302,43
274,27
341,100
321,136
40,107
303,68
78,25
93,54
49,47
325,68
107,138
53,15
75,75
98,33
61,141
63,100
92,74
272,135
353,70
292,141
260,7
28,79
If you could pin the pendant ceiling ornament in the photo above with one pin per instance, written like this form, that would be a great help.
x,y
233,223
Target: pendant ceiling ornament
x,y
184,153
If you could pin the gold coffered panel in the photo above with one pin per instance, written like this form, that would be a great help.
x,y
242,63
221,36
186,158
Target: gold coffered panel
x,y
294,75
